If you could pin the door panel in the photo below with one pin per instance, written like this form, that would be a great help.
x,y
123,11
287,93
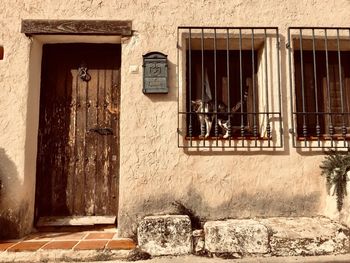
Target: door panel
x,y
78,144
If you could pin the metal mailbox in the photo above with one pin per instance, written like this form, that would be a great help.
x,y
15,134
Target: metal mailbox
x,y
155,73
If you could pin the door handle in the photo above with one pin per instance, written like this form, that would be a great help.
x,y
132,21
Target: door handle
x,y
102,131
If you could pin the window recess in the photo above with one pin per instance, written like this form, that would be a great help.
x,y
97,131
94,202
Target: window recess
x,y
229,87
319,62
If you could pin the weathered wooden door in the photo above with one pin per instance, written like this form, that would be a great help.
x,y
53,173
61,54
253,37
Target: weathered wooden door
x,y
78,141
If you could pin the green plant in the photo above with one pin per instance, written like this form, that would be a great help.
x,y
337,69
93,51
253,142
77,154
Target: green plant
x,y
335,168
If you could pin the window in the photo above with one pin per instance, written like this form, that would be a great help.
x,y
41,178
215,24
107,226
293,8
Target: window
x,y
229,91
321,108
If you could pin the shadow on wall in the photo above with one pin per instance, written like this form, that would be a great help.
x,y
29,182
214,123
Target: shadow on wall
x,y
9,218
242,205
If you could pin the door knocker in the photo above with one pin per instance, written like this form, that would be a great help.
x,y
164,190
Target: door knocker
x,y
83,74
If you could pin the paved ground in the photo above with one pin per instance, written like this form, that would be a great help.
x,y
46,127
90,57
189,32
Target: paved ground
x,y
102,239
97,244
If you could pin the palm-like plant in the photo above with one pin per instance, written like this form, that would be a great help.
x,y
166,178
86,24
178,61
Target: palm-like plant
x,y
335,168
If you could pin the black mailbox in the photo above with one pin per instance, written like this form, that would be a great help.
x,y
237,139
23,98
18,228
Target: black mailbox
x,y
155,73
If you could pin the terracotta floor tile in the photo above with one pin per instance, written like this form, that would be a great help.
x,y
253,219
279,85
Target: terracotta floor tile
x,y
27,246
70,236
60,245
100,236
121,244
93,244
5,245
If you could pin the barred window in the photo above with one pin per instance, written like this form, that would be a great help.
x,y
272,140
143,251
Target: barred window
x,y
229,87
321,105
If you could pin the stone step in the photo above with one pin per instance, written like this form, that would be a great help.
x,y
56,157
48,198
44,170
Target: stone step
x,y
306,236
75,220
239,237
165,235
279,236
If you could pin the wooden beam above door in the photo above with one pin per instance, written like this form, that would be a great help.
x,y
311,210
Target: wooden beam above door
x,y
76,27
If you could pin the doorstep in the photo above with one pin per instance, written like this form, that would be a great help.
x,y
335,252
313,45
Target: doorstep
x,y
102,244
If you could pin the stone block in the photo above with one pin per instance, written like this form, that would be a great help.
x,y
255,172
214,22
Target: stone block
x,y
165,235
236,237
306,236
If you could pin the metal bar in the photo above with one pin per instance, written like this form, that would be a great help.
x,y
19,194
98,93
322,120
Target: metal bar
x,y
258,112
318,128
322,147
190,84
215,91
322,28
203,130
178,90
331,127
341,86
291,86
228,85
347,115
234,146
268,128
241,85
279,85
321,112
224,27
190,128
255,128
302,85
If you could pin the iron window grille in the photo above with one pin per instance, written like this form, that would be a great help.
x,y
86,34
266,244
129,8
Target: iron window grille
x,y
229,76
320,96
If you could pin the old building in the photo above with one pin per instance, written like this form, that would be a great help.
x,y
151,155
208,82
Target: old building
x,y
96,99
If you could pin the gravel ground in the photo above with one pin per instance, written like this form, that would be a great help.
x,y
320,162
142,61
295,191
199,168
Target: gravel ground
x,y
194,259
33,257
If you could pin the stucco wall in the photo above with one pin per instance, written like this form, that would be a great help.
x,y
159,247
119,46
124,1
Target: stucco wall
x,y
154,172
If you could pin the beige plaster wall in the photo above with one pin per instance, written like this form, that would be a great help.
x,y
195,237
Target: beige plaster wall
x,y
154,172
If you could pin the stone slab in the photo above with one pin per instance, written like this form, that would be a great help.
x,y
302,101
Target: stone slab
x,y
75,220
165,235
297,236
239,237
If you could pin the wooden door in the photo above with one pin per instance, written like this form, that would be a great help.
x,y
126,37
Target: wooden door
x,y
78,141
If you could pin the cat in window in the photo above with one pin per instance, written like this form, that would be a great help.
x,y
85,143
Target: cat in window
x,y
203,110
205,114
223,122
